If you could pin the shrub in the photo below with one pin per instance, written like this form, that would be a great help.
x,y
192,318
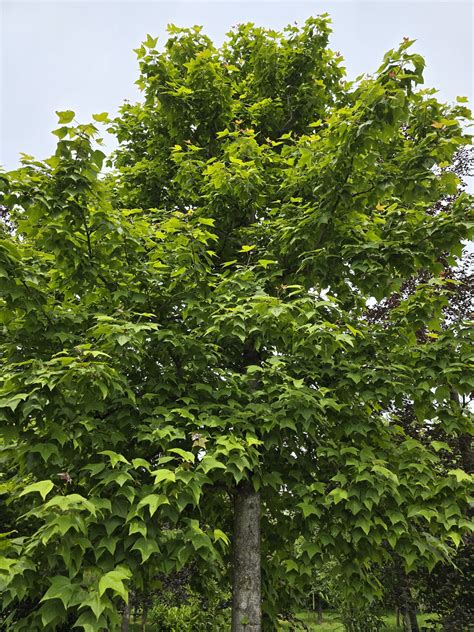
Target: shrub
x,y
195,614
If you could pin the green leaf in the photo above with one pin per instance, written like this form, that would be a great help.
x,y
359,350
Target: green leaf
x,y
265,263
209,463
206,221
6,563
291,565
364,524
141,463
89,623
46,450
410,558
150,41
338,494
427,513
455,537
440,445
309,510
114,581
71,501
13,401
61,132
247,248
311,549
396,516
103,117
51,611
109,543
115,457
379,469
65,116
450,181
164,475
42,487
137,526
103,389
61,588
220,535
96,604
184,454
153,501
460,475
146,547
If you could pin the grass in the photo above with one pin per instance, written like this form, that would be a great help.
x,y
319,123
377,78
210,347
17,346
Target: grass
x,y
332,622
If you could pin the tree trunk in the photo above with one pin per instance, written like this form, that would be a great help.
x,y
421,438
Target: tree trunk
x,y
406,621
126,618
320,611
410,621
413,619
144,616
246,576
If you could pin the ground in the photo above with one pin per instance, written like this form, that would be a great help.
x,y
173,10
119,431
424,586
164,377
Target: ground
x,y
331,623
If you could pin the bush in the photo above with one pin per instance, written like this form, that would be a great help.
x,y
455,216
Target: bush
x,y
362,620
195,614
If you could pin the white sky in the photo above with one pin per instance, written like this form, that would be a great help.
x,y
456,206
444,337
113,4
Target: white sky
x,y
77,55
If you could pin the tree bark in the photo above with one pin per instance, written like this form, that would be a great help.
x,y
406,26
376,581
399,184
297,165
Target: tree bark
x,y
410,621
320,611
413,619
406,622
246,575
126,618
144,616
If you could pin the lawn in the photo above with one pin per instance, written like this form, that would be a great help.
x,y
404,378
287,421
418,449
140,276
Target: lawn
x,y
332,622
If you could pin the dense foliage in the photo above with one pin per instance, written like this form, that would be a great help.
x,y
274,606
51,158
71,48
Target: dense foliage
x,y
197,317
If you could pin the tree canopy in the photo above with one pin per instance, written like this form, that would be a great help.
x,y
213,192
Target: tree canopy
x,y
195,319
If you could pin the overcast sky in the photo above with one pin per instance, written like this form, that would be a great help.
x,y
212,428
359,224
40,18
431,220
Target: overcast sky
x,y
78,55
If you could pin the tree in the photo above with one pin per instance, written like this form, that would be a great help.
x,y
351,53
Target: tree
x,y
185,343
444,591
